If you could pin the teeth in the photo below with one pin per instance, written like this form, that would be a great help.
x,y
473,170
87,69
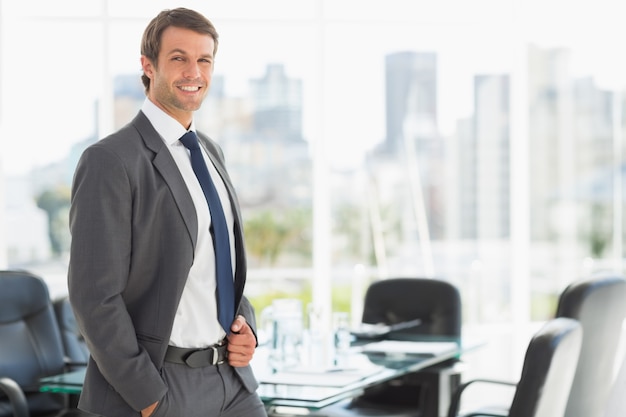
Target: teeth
x,y
189,88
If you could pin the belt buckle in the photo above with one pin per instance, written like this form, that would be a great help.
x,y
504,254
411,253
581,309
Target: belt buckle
x,y
216,347
220,345
215,355
202,357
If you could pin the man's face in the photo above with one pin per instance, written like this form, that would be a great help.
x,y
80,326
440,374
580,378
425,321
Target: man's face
x,y
181,79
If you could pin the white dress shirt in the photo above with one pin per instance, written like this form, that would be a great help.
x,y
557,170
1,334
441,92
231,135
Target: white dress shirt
x,y
195,324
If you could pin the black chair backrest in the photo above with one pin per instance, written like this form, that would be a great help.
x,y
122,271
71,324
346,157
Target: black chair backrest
x,y
548,370
437,303
73,342
599,304
30,343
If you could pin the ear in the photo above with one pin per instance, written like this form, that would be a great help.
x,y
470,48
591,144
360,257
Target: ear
x,y
147,66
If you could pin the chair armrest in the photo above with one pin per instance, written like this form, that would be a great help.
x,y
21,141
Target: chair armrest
x,y
71,365
16,397
455,401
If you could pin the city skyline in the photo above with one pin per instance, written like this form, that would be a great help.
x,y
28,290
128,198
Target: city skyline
x,y
56,145
349,63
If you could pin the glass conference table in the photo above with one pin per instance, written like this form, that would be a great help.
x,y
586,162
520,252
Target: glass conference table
x,y
312,386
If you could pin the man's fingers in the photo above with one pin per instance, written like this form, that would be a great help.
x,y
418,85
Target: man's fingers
x,y
239,325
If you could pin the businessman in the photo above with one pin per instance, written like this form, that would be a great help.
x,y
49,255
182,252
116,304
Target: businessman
x,y
157,268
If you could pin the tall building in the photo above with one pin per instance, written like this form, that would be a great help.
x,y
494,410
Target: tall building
x,y
269,159
492,164
571,143
409,164
128,96
277,101
479,197
462,198
411,97
413,138
551,143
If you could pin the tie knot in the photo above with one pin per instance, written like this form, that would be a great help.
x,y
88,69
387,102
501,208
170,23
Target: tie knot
x,y
190,140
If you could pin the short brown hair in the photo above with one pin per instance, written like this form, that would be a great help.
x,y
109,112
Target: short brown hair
x,y
180,17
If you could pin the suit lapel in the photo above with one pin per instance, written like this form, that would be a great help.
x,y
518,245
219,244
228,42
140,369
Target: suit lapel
x,y
165,164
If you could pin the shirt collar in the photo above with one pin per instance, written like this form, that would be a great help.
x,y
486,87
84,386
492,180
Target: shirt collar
x,y
165,125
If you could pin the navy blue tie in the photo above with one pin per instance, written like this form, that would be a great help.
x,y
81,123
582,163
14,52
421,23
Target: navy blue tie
x,y
221,242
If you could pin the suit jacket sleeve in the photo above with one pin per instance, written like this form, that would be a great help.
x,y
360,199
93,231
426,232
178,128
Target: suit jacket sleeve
x,y
101,226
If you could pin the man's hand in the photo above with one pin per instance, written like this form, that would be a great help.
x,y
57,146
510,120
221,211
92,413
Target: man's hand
x,y
146,412
241,343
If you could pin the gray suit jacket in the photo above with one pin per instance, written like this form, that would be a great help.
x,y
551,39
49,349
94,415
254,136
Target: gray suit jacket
x,y
134,230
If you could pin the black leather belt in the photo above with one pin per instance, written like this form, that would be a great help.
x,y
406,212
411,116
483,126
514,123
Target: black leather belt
x,y
197,358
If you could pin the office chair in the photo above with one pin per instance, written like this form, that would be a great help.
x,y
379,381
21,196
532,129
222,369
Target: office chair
x,y
391,301
547,373
30,348
599,304
616,403
74,346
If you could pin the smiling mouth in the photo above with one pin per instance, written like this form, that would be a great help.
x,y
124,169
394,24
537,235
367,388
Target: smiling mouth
x,y
189,88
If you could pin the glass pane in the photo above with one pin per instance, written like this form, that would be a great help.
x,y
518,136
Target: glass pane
x,y
54,81
410,113
259,111
50,88
575,80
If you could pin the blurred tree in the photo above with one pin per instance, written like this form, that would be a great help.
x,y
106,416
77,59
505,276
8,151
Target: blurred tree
x,y
599,233
56,202
271,235
348,232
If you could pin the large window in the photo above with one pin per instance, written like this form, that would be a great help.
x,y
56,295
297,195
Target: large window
x,y
476,141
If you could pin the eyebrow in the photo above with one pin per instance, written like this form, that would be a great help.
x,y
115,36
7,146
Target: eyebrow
x,y
183,52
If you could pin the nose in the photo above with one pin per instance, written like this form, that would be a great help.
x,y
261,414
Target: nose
x,y
192,70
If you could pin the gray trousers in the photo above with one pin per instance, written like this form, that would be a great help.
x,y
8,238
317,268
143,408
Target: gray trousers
x,y
211,391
